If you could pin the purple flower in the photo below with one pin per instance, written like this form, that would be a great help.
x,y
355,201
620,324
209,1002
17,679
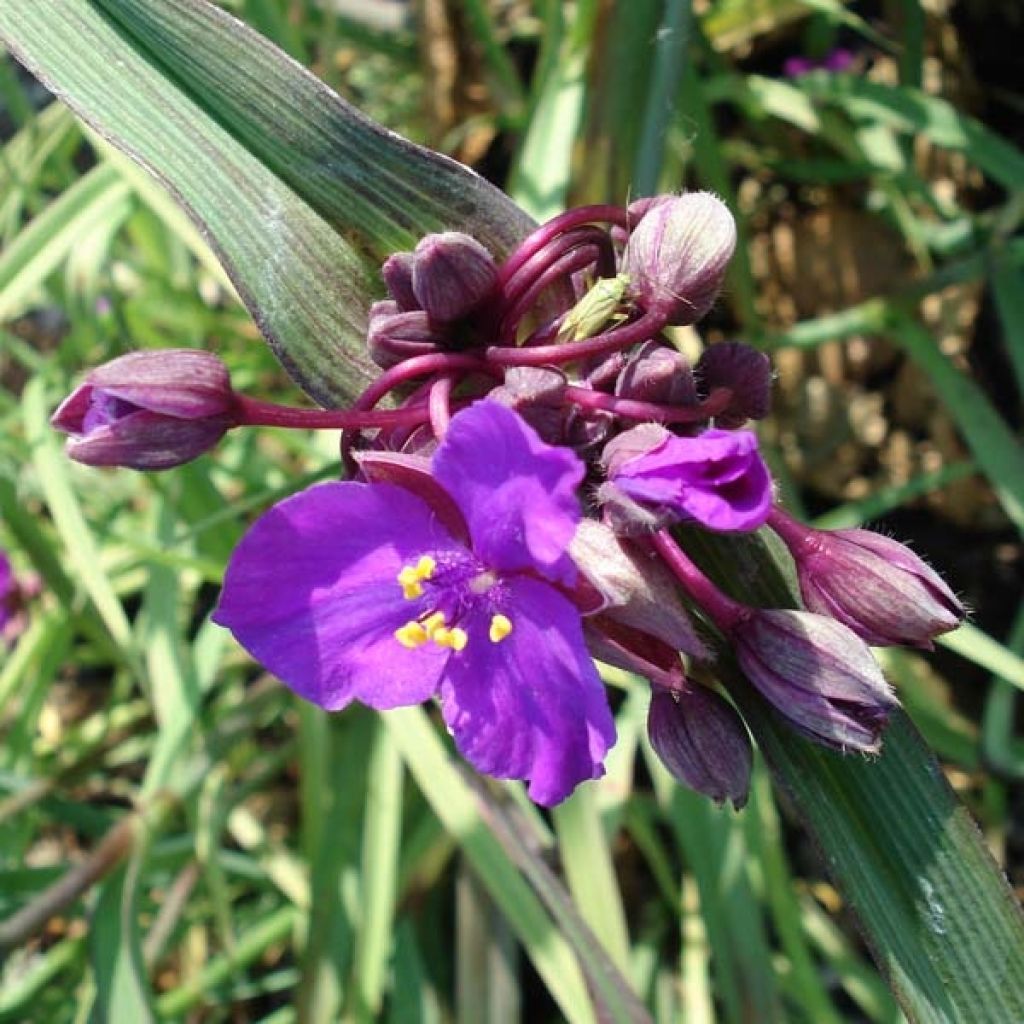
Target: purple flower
x,y
872,584
367,591
836,61
8,591
717,478
148,410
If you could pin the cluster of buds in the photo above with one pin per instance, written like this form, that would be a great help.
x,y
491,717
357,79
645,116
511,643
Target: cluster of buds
x,y
573,330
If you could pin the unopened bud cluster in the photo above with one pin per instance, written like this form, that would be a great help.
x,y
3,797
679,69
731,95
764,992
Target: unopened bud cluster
x,y
573,330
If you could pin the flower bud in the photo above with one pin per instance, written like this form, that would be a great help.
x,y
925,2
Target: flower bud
x,y
746,372
716,479
393,335
633,588
657,373
817,674
397,274
702,741
148,410
677,255
872,584
452,275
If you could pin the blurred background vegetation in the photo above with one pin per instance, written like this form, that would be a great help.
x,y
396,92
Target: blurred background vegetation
x,y
282,865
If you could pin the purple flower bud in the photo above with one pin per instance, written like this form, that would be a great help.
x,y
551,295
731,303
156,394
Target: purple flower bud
x,y
677,255
746,372
702,741
452,275
393,335
872,584
717,478
536,393
148,410
397,274
817,674
657,373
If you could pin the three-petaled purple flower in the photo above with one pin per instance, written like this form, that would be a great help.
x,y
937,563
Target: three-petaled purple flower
x,y
370,592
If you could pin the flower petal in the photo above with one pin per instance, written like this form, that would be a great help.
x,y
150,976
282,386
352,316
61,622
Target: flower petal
x,y
517,493
312,593
531,706
717,478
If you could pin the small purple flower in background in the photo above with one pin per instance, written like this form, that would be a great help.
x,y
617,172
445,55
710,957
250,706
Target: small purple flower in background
x,y
835,61
8,592
365,591
148,410
716,479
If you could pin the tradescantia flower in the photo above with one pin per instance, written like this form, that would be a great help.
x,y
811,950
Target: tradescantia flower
x,y
371,592
716,479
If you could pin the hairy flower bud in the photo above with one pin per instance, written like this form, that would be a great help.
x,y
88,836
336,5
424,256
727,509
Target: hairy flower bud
x,y
817,674
657,373
677,255
148,410
872,584
702,741
746,372
397,274
393,335
452,275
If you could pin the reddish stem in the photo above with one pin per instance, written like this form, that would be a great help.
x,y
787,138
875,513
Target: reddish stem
x,y
563,222
255,413
657,412
419,366
724,611
571,351
570,263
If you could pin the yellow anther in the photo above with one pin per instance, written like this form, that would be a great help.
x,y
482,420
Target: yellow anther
x,y
455,639
433,623
411,635
410,577
501,626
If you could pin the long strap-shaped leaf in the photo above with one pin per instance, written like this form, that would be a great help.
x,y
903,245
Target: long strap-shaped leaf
x,y
297,191
938,915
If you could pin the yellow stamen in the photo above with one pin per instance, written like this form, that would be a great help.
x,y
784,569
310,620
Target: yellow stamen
x,y
433,623
456,638
501,626
411,635
411,577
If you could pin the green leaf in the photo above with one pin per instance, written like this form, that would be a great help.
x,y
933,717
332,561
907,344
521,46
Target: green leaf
x,y
298,193
933,906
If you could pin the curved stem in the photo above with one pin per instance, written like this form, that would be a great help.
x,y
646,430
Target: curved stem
x,y
419,366
657,412
572,261
569,352
602,214
724,611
